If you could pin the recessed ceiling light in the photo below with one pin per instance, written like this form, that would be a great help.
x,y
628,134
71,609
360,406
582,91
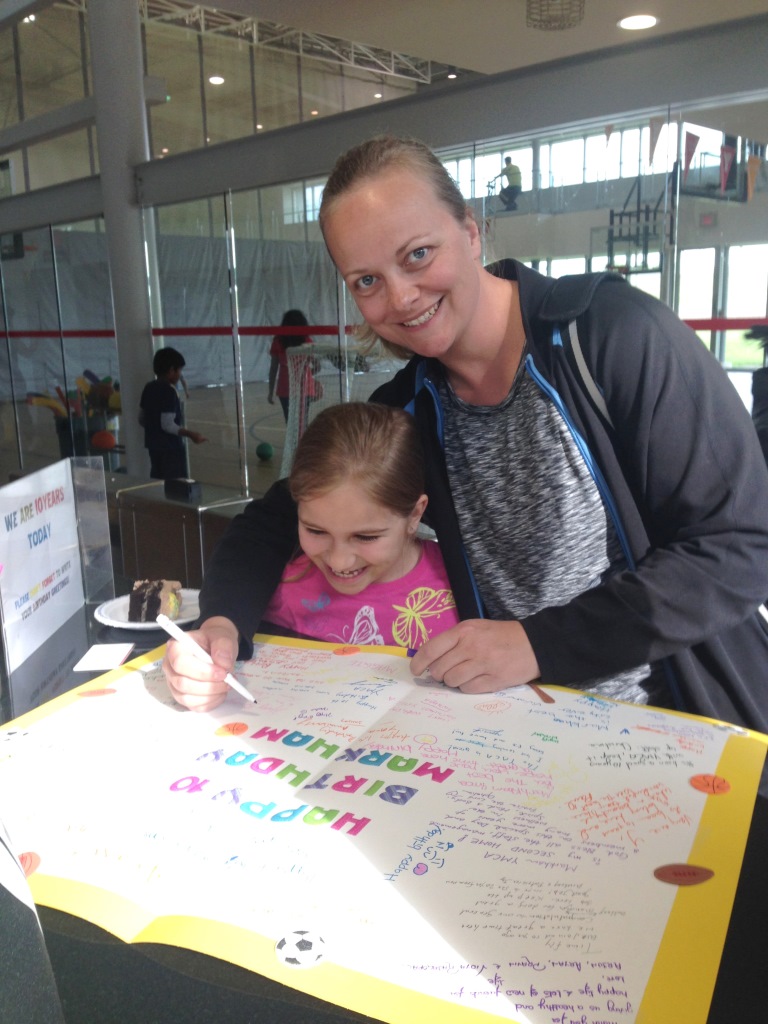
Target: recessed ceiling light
x,y
452,73
377,95
637,22
259,127
216,80
314,113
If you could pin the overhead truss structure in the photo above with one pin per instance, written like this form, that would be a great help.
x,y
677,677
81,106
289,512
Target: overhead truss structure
x,y
282,38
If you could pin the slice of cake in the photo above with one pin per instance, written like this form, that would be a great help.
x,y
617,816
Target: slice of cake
x,y
151,597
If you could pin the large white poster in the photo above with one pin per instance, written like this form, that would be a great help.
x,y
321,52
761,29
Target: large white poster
x,y
41,583
415,853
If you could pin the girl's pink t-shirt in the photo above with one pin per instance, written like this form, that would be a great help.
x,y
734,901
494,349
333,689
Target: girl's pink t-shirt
x,y
401,613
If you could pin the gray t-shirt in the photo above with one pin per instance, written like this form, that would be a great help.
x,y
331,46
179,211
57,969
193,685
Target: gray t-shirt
x,y
532,520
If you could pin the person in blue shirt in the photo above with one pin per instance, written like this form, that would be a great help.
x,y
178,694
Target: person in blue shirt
x,y
160,415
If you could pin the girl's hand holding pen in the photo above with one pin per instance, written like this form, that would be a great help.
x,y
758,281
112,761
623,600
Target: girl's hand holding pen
x,y
193,683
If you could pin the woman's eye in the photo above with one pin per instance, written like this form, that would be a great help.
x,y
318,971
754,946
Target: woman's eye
x,y
366,281
419,254
366,537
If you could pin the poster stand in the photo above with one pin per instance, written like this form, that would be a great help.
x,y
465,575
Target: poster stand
x,y
55,560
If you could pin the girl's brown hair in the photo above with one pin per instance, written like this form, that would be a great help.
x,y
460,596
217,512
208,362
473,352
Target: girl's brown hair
x,y
372,445
373,157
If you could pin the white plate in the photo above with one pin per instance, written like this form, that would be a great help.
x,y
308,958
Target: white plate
x,y
115,612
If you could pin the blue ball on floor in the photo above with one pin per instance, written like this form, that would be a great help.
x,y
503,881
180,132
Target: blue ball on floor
x,y
264,451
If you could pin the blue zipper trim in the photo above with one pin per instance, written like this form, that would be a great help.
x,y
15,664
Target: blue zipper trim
x,y
586,454
607,497
425,382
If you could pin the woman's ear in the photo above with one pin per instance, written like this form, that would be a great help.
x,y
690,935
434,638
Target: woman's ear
x,y
474,233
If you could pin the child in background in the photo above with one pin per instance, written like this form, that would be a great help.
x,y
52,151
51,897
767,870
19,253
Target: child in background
x,y
160,415
363,577
279,384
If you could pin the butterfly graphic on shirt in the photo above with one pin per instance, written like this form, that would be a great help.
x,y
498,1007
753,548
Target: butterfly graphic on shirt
x,y
316,606
365,629
409,628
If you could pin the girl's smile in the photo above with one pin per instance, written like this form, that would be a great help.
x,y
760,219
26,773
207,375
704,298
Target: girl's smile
x,y
354,541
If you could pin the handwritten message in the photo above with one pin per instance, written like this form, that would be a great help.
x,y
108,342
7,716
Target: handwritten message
x,y
493,852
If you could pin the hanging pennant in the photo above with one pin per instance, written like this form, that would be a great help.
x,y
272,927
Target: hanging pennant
x,y
655,125
727,155
691,142
753,166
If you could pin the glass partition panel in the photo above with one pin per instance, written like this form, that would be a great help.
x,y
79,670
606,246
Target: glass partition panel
x,y
747,296
9,99
33,406
281,267
65,158
177,125
51,57
194,304
322,89
228,89
276,79
90,348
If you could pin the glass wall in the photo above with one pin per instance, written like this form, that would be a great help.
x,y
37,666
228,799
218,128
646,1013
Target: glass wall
x,y
219,86
225,269
59,377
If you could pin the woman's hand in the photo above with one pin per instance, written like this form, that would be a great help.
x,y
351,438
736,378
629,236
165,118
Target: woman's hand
x,y
478,656
193,683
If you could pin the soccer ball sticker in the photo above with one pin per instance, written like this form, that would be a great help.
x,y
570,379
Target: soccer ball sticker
x,y
300,949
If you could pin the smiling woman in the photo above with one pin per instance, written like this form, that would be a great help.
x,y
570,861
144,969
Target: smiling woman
x,y
571,429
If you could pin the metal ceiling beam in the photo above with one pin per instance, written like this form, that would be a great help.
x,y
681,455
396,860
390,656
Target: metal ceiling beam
x,y
282,39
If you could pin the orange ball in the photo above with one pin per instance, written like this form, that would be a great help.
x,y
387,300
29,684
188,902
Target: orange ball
x,y
103,439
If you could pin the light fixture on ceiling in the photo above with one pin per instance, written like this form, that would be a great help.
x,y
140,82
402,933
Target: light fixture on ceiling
x,y
553,14
216,80
452,73
377,95
637,22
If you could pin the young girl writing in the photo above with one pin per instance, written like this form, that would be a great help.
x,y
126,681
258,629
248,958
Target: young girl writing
x,y
362,576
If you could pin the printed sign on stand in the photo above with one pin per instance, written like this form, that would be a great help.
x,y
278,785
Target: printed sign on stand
x,y
41,581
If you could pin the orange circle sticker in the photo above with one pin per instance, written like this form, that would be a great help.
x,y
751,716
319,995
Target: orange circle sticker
x,y
712,785
232,729
346,650
683,874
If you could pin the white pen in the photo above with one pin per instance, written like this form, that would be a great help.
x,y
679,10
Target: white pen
x,y
186,640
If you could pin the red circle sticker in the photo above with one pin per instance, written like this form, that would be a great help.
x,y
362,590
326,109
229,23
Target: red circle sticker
x,y
232,729
346,650
714,785
683,874
29,861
